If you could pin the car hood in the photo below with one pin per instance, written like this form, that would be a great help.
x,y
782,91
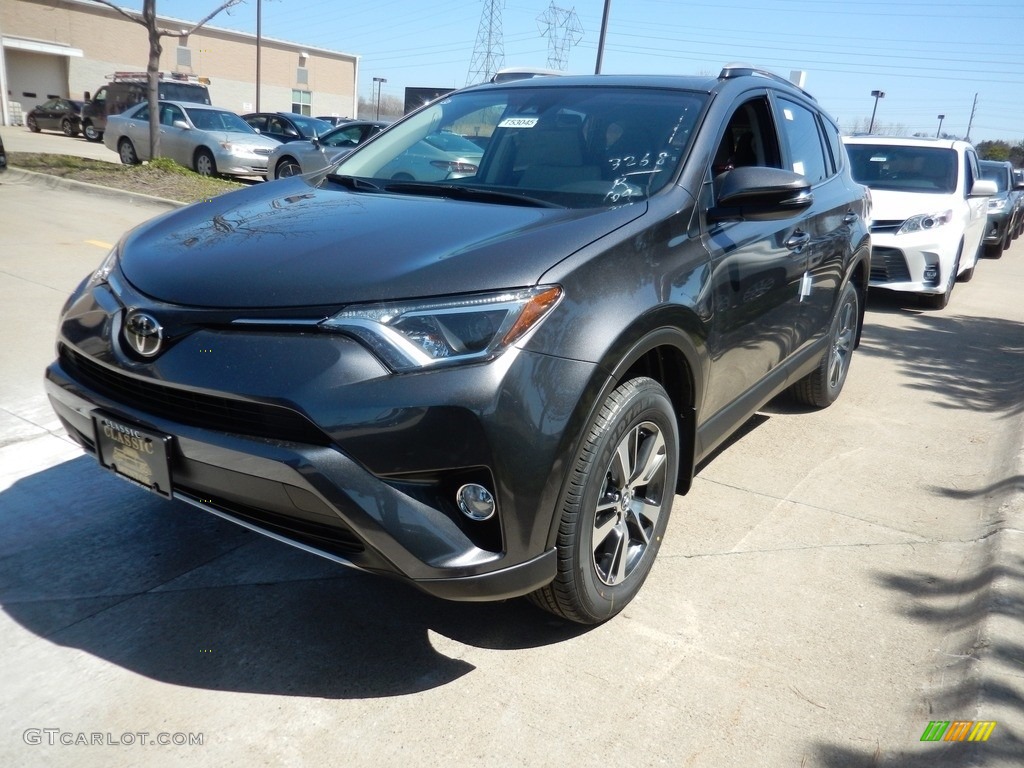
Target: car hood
x,y
290,244
241,139
889,205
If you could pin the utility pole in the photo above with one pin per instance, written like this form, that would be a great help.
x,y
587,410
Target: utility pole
x,y
604,33
971,121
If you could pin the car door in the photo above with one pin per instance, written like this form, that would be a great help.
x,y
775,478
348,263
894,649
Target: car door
x,y
175,143
977,208
48,116
136,128
757,268
810,147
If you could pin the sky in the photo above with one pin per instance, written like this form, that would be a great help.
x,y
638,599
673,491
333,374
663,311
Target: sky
x,y
929,57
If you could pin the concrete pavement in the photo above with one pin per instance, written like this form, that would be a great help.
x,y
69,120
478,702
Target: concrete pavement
x,y
21,139
835,581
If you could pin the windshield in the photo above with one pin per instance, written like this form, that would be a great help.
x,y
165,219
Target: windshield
x,y
996,173
218,120
907,169
572,146
311,125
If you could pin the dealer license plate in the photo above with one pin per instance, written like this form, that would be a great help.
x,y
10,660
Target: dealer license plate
x,y
136,454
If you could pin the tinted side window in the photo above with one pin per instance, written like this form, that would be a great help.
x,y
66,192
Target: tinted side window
x,y
835,145
749,139
800,133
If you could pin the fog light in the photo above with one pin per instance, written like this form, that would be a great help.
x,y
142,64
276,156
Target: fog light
x,y
931,274
475,501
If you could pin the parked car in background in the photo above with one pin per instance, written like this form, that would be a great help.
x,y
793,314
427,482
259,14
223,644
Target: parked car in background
x,y
437,156
126,89
493,386
1004,207
286,126
206,139
930,204
334,119
316,154
64,115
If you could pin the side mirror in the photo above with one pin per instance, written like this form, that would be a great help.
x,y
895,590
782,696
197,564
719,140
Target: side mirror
x,y
760,194
87,97
181,124
315,141
983,188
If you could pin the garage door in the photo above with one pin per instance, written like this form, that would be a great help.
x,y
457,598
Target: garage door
x,y
32,78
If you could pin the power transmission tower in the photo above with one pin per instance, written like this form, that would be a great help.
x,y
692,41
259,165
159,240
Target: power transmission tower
x,y
563,30
489,51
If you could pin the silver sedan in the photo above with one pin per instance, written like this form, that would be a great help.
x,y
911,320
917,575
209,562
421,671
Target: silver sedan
x,y
297,157
206,139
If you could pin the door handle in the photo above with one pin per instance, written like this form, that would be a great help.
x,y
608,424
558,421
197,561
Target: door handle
x,y
798,240
849,218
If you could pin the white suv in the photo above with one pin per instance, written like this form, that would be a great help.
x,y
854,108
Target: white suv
x,y
930,206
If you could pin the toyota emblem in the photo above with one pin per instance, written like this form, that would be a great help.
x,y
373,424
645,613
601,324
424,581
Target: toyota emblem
x,y
143,334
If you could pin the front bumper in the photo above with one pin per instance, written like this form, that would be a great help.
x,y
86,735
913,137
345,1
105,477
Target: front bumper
x,y
318,499
995,228
915,263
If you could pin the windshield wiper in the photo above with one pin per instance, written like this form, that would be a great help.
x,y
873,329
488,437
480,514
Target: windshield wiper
x,y
459,192
353,182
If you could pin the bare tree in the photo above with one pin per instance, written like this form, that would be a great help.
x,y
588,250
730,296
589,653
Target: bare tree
x,y
149,20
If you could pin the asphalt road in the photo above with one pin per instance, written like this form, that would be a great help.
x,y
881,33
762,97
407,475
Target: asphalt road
x,y
835,581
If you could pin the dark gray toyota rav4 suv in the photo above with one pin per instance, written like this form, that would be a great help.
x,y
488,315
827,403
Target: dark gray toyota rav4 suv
x,y
491,372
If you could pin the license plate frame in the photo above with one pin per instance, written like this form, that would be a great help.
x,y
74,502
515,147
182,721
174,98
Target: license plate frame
x,y
139,455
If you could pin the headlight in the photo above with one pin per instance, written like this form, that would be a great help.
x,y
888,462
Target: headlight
x,y
997,204
422,334
925,221
105,268
235,149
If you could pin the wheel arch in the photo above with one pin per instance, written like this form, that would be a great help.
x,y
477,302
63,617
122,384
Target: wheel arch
x,y
663,347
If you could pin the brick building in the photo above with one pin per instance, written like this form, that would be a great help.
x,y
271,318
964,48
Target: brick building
x,y
65,48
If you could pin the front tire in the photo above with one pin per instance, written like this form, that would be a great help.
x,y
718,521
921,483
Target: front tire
x,y
204,164
821,387
31,124
126,151
616,504
286,168
91,134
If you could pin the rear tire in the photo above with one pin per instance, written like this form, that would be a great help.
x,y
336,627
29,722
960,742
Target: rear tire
x,y
821,387
616,504
68,128
126,151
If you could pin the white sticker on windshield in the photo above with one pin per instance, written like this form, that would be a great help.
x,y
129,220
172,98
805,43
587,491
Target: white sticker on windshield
x,y
518,122
788,113
798,167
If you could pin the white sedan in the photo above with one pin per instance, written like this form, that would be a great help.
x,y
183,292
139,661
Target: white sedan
x,y
206,139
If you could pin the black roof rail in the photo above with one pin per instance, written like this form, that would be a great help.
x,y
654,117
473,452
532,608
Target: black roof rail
x,y
744,70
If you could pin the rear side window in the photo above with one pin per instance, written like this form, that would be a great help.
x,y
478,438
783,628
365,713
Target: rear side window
x,y
197,94
835,145
802,137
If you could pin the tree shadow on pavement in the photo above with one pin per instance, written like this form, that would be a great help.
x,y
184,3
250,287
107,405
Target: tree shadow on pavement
x,y
964,362
178,595
976,682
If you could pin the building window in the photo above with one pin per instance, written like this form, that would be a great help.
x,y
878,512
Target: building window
x,y
302,76
184,57
302,102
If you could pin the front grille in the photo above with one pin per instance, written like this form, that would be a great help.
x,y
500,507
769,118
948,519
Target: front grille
x,y
222,414
886,225
889,265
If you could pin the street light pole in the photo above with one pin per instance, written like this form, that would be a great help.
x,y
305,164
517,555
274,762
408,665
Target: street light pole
x,y
379,81
941,118
878,95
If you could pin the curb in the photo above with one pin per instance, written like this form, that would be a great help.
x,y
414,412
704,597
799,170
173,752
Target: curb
x,y
58,182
